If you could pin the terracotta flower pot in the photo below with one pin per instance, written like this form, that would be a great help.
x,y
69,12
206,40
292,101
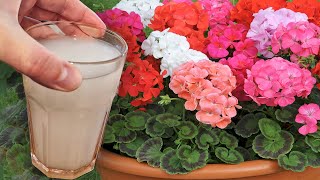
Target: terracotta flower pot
x,y
112,166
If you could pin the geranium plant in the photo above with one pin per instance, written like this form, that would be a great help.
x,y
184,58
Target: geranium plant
x,y
208,81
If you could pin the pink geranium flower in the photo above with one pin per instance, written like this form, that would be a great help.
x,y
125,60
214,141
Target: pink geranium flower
x,y
309,115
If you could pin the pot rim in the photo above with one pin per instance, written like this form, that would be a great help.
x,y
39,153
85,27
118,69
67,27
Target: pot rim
x,y
116,162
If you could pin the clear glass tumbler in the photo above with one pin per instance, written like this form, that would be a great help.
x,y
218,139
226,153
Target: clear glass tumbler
x,y
66,128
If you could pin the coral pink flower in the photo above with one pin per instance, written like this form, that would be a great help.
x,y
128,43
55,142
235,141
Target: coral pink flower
x,y
206,86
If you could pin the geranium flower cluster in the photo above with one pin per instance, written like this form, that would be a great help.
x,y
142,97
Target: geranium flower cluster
x,y
185,19
309,115
228,38
219,11
172,48
142,81
206,86
144,8
118,19
277,82
300,39
266,22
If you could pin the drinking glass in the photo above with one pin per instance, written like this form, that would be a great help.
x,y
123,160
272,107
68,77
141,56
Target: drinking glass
x,y
66,128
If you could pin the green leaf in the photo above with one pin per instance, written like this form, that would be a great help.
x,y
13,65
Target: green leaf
x,y
115,118
171,163
169,119
284,115
124,103
18,159
269,128
230,156
228,140
206,138
154,128
147,31
248,125
29,174
131,148
168,133
245,153
197,159
313,158
187,130
122,134
136,120
296,161
316,134
12,135
154,109
184,151
150,152
109,136
314,143
272,149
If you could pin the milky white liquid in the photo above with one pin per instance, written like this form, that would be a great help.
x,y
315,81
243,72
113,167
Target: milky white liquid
x,y
66,127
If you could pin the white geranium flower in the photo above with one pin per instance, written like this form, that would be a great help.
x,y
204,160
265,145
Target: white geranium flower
x,y
159,43
176,58
145,8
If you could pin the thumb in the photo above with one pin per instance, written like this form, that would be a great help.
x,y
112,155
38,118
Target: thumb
x,y
29,57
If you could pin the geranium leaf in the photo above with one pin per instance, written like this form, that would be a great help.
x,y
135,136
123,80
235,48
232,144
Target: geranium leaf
x,y
229,156
187,130
316,134
269,128
184,151
154,109
136,120
272,149
115,118
296,161
150,152
154,128
248,125
205,138
171,163
11,135
314,143
228,140
123,103
109,136
18,159
168,133
115,109
245,153
122,134
197,159
30,175
169,119
284,115
313,158
131,148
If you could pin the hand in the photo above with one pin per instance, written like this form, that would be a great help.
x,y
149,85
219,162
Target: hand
x,y
25,54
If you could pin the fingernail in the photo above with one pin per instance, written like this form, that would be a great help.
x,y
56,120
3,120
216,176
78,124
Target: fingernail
x,y
69,79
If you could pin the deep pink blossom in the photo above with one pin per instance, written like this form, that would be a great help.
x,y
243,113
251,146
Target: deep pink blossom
x,y
308,115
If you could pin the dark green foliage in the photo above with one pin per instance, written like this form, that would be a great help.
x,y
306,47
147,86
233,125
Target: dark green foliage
x,y
171,163
269,128
228,140
5,73
273,148
313,158
206,138
187,130
154,128
100,5
314,143
115,118
154,109
109,136
296,161
123,135
131,148
229,156
248,124
136,120
245,153
169,119
11,135
150,151
195,159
